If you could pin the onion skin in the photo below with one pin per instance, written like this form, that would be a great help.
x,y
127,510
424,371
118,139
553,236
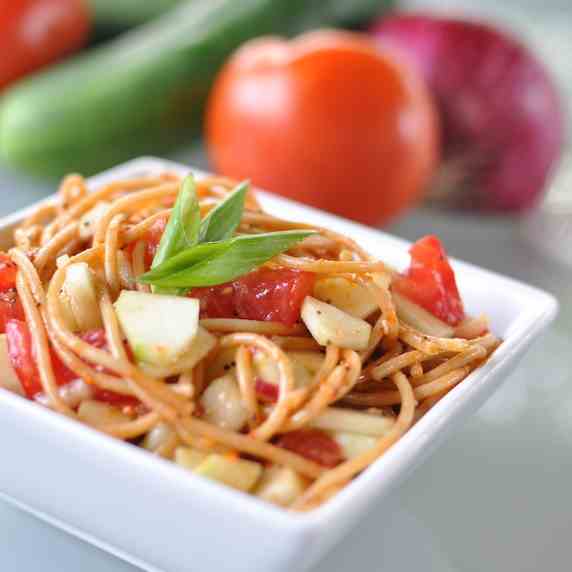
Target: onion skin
x,y
502,120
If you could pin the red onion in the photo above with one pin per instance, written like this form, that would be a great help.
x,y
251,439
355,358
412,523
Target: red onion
x,y
501,116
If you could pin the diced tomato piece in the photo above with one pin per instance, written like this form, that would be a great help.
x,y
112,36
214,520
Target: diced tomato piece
x,y
264,294
216,301
8,271
95,338
10,307
273,295
314,445
115,399
23,359
98,339
20,352
430,281
266,391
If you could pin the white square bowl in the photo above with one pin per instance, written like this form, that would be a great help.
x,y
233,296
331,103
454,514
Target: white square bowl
x,y
160,517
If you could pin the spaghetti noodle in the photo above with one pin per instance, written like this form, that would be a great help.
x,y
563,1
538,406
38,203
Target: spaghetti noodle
x,y
255,399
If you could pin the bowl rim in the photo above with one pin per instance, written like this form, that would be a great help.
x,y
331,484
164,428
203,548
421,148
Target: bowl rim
x,y
385,472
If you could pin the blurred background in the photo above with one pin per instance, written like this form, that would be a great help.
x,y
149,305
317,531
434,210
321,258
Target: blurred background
x,y
474,148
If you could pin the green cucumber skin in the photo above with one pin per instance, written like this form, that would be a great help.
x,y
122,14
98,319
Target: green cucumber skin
x,y
128,13
145,92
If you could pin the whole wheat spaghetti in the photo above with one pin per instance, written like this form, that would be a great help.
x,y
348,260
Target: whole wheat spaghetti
x,y
300,372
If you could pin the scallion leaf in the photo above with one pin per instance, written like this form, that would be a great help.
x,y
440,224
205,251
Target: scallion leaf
x,y
223,220
182,230
216,263
184,260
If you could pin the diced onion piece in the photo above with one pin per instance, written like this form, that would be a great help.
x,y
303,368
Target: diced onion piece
x,y
419,318
471,328
8,378
346,295
189,458
73,393
79,292
354,444
98,413
223,404
338,419
265,368
160,329
201,346
88,222
66,310
158,436
330,325
311,360
237,473
280,485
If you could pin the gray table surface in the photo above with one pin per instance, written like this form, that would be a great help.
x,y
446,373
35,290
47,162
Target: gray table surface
x,y
496,495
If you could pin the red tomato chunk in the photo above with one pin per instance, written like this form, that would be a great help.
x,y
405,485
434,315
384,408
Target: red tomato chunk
x,y
10,306
8,271
265,294
314,445
267,391
430,281
23,359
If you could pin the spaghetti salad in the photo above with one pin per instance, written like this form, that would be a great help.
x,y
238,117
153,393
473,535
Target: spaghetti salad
x,y
275,357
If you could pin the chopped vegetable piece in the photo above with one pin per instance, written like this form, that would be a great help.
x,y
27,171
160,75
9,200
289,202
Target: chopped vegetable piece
x,y
352,298
23,360
223,405
159,328
346,420
273,295
330,325
267,391
280,485
8,272
313,444
8,378
264,294
115,399
10,306
354,444
430,281
189,458
80,292
236,473
98,413
216,301
421,319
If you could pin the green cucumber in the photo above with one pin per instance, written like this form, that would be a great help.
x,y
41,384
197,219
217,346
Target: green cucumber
x,y
122,14
144,92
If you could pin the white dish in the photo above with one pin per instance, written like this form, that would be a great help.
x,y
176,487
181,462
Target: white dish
x,y
162,518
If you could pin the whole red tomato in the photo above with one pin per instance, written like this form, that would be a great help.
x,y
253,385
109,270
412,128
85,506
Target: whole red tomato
x,y
328,119
34,33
